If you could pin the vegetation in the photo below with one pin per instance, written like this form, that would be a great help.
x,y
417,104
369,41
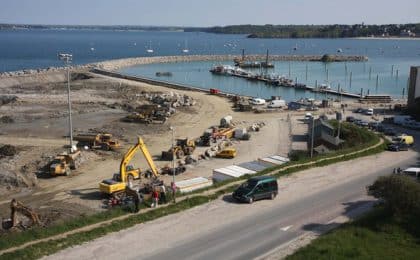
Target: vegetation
x,y
196,198
390,231
315,31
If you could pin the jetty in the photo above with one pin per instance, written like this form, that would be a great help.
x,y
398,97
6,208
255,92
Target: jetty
x,y
280,81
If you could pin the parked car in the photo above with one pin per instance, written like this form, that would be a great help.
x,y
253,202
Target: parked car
x,y
257,101
373,124
398,147
256,188
359,110
350,119
363,123
390,131
403,138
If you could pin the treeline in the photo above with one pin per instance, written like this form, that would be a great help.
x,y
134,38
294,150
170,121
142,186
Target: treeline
x,y
91,27
316,31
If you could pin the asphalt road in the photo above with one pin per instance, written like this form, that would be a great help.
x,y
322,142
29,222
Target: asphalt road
x,y
309,202
260,233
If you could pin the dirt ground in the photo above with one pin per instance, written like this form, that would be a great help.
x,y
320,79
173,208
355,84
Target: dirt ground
x,y
40,127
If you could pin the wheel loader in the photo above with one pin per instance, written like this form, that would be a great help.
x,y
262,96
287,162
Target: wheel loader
x,y
64,163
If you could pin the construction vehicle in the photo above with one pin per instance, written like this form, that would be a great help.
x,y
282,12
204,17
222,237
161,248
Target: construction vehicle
x,y
18,207
229,153
183,147
127,173
224,133
148,114
97,141
64,163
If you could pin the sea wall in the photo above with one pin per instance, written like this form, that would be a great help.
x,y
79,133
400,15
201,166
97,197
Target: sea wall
x,y
120,63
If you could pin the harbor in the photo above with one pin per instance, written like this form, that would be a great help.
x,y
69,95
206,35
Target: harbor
x,y
278,81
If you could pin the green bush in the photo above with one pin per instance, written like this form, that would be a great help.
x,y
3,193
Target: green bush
x,y
400,194
297,155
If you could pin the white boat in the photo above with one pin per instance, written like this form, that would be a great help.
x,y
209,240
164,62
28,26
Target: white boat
x,y
339,50
150,50
185,50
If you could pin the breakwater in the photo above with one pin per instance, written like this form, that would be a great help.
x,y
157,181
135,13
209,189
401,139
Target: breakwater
x,y
120,63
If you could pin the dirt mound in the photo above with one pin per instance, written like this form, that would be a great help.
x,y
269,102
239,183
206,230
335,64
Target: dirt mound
x,y
7,150
6,99
6,120
80,76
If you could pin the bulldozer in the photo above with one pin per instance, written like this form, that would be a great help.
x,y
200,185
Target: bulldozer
x,y
117,185
183,147
18,207
63,163
97,141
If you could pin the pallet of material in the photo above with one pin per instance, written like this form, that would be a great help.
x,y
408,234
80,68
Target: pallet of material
x,y
271,160
193,184
280,158
230,172
255,165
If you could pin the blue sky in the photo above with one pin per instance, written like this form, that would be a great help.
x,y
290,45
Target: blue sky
x,y
208,13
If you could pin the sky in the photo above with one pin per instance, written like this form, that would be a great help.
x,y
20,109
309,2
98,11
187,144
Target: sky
x,y
208,13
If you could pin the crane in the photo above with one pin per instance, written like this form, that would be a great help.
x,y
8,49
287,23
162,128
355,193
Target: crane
x,y
127,173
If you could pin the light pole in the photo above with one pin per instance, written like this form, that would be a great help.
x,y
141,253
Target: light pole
x,y
173,162
67,58
312,137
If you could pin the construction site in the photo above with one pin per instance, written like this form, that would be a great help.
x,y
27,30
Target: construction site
x,y
109,117
129,138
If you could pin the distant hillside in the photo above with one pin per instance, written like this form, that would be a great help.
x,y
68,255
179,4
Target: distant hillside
x,y
91,27
319,31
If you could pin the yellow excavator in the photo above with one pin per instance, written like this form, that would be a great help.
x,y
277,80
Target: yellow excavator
x,y
127,173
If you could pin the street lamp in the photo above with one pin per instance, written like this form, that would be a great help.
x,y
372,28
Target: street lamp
x,y
173,162
67,58
312,137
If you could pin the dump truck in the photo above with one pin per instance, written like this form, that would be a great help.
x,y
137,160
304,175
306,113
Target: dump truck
x,y
97,141
117,184
63,163
183,147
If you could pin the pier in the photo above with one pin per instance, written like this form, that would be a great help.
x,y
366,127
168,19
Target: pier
x,y
227,70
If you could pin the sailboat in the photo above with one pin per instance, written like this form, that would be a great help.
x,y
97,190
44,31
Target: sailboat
x,y
150,50
185,50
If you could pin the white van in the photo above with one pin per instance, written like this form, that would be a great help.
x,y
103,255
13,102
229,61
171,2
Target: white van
x,y
276,103
369,112
257,101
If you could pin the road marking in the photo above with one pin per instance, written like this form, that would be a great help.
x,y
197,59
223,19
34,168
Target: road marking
x,y
286,228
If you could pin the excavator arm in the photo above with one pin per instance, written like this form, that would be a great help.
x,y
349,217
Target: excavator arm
x,y
130,154
148,157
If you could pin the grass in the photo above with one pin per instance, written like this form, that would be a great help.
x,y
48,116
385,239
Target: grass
x,y
377,235
52,246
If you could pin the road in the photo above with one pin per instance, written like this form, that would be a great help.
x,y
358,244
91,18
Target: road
x,y
308,202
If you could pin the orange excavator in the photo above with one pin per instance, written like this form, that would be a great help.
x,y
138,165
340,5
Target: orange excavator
x,y
18,207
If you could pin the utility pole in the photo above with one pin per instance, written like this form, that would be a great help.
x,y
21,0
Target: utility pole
x,y
312,137
67,58
173,163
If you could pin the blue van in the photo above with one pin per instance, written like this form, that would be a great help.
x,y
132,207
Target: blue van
x,y
256,188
